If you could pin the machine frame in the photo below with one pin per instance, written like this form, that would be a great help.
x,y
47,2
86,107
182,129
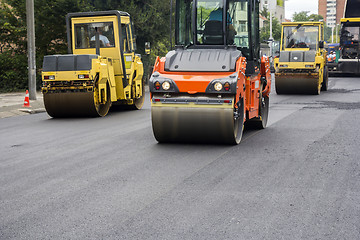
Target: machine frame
x,y
206,91
90,78
299,69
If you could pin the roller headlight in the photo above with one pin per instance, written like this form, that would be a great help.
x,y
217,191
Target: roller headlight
x,y
218,86
51,77
82,76
166,85
227,86
157,85
161,84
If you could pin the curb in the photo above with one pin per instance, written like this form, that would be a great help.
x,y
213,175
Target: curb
x,y
32,111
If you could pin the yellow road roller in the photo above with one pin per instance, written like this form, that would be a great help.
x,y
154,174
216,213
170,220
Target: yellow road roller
x,y
101,68
301,66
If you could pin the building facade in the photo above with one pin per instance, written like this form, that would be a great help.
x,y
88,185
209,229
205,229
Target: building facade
x,y
277,7
332,11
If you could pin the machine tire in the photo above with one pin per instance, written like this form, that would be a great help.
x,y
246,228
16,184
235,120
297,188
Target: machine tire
x,y
103,109
279,89
317,90
261,121
325,83
77,104
139,102
239,122
210,125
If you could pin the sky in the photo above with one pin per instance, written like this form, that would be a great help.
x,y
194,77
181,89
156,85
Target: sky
x,y
292,6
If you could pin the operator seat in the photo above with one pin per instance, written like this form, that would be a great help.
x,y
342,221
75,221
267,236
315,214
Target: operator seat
x,y
93,44
213,32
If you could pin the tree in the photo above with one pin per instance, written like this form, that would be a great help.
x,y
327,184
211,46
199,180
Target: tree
x,y
150,18
265,30
13,59
304,16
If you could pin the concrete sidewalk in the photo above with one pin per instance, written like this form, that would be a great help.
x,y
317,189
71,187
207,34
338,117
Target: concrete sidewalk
x,y
11,104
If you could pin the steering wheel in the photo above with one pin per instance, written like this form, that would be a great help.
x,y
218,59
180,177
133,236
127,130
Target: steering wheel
x,y
301,45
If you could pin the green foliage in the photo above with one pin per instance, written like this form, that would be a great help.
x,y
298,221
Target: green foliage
x,y
304,16
50,36
13,58
328,34
12,30
13,69
265,30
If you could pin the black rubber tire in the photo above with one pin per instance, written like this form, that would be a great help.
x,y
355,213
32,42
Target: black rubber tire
x,y
278,88
325,83
239,122
139,102
76,104
261,121
297,85
103,109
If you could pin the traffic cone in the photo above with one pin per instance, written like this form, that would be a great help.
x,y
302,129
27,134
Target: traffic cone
x,y
27,101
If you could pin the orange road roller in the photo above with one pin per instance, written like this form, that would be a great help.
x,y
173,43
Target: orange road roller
x,y
214,81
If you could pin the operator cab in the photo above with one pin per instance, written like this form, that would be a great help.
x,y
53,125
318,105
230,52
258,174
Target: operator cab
x,y
219,24
301,36
349,39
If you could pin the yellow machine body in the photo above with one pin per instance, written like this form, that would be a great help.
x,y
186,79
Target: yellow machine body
x,y
301,66
100,69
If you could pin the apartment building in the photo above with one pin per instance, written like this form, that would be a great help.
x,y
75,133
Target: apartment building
x,y
332,11
277,7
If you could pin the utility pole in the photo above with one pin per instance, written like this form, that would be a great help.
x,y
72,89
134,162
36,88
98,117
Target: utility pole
x,y
336,33
271,32
30,23
272,7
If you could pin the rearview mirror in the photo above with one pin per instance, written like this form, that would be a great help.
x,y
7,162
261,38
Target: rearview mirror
x,y
321,44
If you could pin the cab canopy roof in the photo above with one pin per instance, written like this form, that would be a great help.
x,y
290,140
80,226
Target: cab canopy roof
x,y
302,23
350,19
97,14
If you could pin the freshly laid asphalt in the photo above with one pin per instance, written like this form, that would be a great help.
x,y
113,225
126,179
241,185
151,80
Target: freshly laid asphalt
x,y
108,178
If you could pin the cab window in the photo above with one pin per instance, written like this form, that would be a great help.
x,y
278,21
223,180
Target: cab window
x,y
85,35
301,37
126,38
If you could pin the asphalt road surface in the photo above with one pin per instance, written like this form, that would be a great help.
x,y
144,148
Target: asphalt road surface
x,y
107,178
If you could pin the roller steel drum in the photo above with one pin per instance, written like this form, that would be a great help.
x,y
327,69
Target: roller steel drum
x,y
201,123
74,104
297,84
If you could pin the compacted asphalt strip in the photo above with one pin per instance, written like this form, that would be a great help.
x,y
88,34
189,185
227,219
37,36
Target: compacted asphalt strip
x,y
108,178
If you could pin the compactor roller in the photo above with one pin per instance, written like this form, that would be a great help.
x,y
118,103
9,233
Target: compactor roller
x,y
214,80
301,67
100,69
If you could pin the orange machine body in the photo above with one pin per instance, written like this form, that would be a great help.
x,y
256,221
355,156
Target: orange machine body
x,y
248,87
